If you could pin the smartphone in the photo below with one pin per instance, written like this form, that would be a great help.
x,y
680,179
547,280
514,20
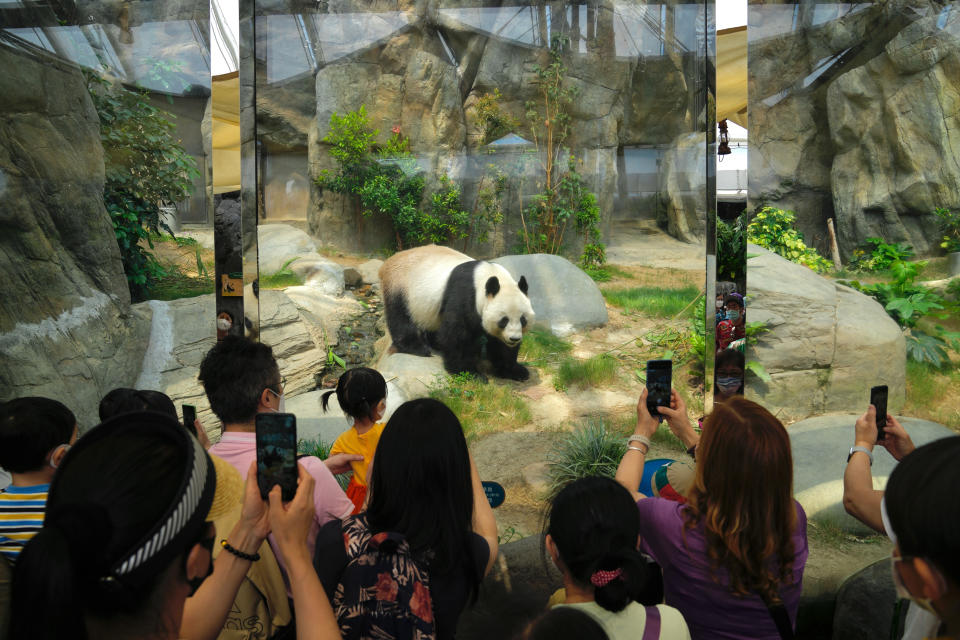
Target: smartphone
x,y
189,417
659,379
878,398
277,453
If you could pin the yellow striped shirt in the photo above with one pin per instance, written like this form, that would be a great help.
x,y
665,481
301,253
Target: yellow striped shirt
x,y
21,516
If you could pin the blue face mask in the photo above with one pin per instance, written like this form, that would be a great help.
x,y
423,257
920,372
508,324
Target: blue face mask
x,y
733,315
729,386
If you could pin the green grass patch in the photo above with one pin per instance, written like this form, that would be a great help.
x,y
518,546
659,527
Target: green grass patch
x,y
590,450
540,347
482,407
592,372
321,449
934,394
280,280
175,285
658,302
826,532
606,273
182,241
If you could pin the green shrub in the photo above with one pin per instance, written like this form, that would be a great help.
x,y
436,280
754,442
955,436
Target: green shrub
x,y
950,227
493,120
590,450
145,167
731,250
774,229
877,255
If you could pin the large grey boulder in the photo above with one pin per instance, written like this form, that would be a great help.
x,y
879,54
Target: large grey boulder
x,y
564,298
820,447
414,376
66,327
319,273
278,243
865,604
682,184
826,346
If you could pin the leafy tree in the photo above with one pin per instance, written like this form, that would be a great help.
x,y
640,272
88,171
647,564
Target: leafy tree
x,y
773,229
563,195
145,167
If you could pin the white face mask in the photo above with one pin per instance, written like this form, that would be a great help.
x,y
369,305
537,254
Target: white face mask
x,y
280,403
719,304
903,593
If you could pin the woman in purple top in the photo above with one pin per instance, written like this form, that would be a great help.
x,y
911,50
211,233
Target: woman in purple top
x,y
733,555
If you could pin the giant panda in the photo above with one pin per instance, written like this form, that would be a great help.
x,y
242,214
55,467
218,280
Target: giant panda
x,y
437,297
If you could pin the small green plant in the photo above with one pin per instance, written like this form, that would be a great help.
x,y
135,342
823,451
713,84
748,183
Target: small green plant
x,y
908,302
282,279
320,449
590,450
949,221
752,332
510,534
731,250
481,406
774,229
591,372
333,360
877,255
659,302
493,120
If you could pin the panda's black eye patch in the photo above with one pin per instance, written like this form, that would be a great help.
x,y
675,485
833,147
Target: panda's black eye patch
x,y
503,322
523,321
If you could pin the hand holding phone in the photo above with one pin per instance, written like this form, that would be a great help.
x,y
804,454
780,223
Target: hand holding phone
x,y
659,381
189,417
878,398
277,453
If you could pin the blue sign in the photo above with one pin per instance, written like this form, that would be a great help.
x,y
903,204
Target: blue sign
x,y
494,492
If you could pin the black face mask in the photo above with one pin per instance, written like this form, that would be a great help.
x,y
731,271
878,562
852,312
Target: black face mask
x,y
206,543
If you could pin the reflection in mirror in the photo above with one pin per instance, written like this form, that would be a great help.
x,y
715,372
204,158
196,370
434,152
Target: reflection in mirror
x,y
250,184
104,175
838,137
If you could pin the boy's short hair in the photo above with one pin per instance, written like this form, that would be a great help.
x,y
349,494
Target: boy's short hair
x,y
234,373
734,298
125,400
29,428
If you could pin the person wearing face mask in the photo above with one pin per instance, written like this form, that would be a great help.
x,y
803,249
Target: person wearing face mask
x,y
721,312
729,375
733,328
921,513
241,379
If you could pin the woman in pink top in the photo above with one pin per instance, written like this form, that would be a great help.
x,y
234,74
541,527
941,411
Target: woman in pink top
x,y
733,555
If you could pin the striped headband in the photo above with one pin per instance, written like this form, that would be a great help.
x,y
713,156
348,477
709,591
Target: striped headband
x,y
199,491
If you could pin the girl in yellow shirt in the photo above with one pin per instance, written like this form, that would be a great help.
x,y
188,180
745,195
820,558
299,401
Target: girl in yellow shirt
x,y
362,394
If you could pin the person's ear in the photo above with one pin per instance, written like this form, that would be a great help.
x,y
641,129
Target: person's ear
x,y
198,562
381,408
57,456
267,398
552,550
933,584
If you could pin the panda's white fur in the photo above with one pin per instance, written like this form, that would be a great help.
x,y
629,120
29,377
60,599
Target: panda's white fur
x,y
420,277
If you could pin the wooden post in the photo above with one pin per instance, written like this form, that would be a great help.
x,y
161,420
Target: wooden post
x,y
834,249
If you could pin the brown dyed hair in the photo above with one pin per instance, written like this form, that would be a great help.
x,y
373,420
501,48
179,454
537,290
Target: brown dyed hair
x,y
743,497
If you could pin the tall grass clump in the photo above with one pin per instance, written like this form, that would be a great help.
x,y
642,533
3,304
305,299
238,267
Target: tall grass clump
x,y
659,302
540,347
482,407
590,450
320,449
591,372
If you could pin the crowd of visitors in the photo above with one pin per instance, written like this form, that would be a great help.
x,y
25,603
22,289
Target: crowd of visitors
x,y
142,529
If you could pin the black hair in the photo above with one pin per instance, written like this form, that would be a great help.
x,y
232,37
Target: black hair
x,y
359,391
126,400
729,357
234,374
565,623
29,428
923,505
595,523
735,299
114,488
421,486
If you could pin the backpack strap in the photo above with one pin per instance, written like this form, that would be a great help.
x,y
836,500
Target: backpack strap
x,y
651,631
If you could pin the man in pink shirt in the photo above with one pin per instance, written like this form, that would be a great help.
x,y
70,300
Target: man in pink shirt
x,y
241,379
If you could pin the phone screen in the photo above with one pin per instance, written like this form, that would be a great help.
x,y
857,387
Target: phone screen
x,y
189,416
878,398
277,453
659,374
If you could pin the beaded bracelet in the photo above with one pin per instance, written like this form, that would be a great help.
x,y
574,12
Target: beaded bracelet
x,y
253,557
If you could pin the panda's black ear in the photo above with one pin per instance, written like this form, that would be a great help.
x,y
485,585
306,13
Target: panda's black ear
x,y
523,284
493,286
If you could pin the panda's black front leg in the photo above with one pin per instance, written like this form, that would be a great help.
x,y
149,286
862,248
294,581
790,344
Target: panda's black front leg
x,y
460,348
504,360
